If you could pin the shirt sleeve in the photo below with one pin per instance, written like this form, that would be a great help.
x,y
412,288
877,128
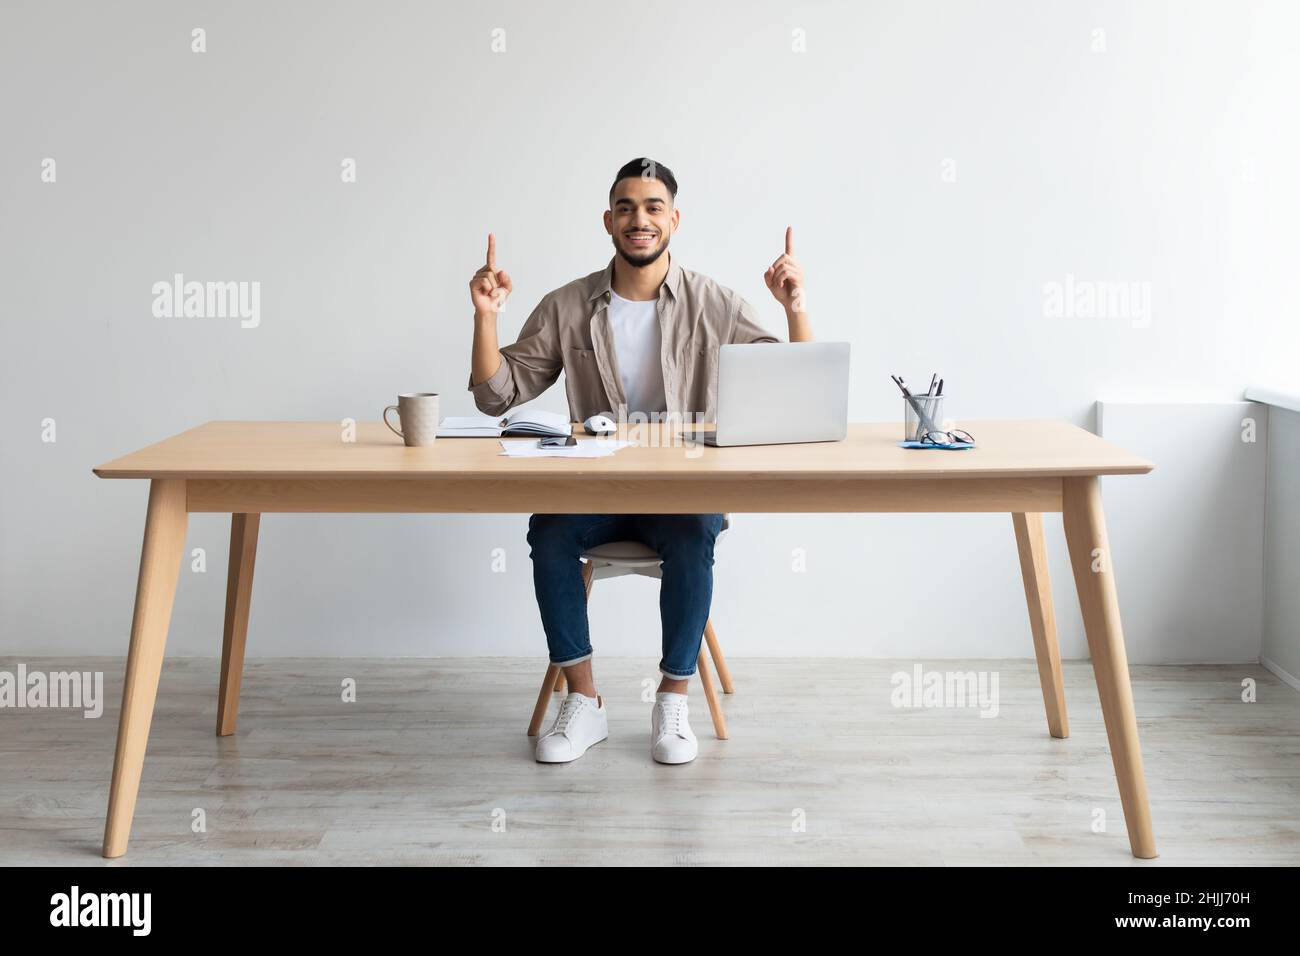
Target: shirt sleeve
x,y
529,366
747,327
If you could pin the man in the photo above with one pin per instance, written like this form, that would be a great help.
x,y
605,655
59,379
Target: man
x,y
641,335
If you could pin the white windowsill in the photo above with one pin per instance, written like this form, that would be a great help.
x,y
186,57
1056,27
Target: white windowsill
x,y
1274,396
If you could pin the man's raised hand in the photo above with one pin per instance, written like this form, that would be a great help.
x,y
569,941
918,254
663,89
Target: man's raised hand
x,y
784,277
490,287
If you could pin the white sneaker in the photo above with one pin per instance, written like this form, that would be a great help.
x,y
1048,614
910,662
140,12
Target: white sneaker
x,y
671,738
582,721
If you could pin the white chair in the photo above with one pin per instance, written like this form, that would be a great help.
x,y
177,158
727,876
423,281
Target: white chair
x,y
616,559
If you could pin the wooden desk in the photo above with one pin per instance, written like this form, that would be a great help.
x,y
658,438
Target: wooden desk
x,y
1023,468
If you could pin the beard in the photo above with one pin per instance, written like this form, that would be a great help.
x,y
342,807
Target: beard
x,y
640,260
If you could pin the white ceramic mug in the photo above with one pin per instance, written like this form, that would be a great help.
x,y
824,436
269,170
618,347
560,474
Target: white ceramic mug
x,y
417,413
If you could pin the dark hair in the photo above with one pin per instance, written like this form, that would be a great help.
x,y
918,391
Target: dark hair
x,y
645,168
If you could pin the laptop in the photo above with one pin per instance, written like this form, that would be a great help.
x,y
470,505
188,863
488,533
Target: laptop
x,y
772,393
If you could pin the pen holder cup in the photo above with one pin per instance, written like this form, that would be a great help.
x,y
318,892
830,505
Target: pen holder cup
x,y
932,406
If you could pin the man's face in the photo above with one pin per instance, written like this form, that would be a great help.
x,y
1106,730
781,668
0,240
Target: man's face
x,y
641,219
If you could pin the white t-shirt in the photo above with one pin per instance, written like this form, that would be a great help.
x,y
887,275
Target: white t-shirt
x,y
638,343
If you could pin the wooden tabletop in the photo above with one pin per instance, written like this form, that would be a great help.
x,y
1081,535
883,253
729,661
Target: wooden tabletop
x,y
234,450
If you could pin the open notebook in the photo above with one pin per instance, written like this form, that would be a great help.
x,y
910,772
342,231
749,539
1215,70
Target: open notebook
x,y
522,421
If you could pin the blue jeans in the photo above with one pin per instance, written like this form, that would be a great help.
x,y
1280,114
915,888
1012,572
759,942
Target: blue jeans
x,y
684,542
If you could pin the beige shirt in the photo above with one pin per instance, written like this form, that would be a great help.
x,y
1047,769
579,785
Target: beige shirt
x,y
569,331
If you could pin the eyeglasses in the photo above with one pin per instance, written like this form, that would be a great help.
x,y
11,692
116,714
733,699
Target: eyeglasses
x,y
937,436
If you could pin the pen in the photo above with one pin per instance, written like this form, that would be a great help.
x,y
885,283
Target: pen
x,y
916,406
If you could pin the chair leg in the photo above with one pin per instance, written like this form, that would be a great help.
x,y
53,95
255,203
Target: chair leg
x,y
711,695
720,662
553,674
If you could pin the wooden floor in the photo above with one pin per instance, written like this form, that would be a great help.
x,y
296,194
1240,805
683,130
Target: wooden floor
x,y
434,751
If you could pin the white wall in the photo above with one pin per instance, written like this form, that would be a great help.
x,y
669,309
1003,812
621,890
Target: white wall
x,y
1281,639
942,163
1189,537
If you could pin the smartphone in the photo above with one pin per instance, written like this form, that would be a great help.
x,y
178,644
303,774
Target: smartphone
x,y
557,441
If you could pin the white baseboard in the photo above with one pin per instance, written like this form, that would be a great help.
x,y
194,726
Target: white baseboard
x,y
1281,674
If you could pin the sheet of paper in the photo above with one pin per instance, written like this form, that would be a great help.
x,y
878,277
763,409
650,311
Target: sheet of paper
x,y
470,421
469,426
586,448
445,432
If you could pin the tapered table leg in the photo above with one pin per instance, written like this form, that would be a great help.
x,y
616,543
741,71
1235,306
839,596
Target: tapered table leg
x,y
1042,618
160,559
1094,578
239,595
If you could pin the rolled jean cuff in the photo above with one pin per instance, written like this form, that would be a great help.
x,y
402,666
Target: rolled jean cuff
x,y
671,676
576,660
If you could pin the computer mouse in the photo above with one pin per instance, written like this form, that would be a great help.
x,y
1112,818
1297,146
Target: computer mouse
x,y
600,425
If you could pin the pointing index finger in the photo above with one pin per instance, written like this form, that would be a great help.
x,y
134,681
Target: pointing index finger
x,y
789,240
492,252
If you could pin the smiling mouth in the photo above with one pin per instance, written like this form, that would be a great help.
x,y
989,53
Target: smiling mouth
x,y
641,238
